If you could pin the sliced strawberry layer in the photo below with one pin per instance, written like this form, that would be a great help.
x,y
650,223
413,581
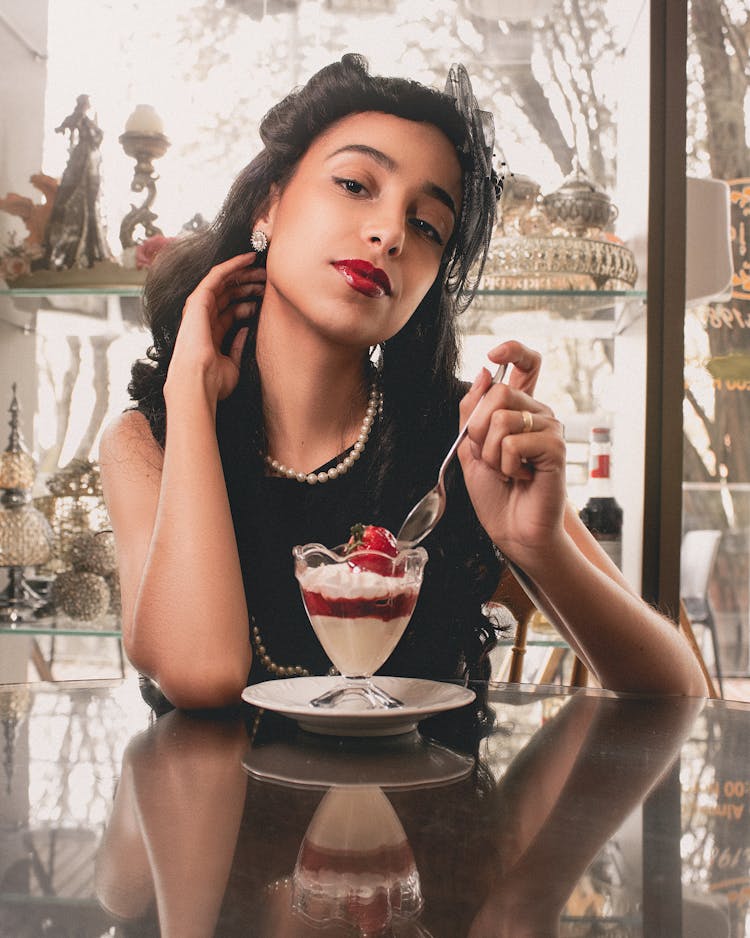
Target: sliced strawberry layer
x,y
386,859
386,608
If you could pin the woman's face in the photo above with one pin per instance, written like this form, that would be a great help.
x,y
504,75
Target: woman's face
x,y
358,233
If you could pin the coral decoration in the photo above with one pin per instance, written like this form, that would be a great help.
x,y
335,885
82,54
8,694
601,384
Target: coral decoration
x,y
18,260
146,251
34,215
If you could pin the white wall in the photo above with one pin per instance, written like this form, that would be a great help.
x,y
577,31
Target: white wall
x,y
22,90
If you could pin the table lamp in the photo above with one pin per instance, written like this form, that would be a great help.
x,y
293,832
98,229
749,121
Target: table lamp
x,y
145,141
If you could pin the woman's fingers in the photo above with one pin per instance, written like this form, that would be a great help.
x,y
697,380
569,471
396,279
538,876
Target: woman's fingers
x,y
226,283
473,396
526,363
519,453
239,287
238,344
226,270
510,431
498,399
237,293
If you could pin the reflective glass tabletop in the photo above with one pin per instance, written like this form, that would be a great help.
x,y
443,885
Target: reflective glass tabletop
x,y
533,811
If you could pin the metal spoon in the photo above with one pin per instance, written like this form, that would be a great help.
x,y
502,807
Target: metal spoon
x,y
429,509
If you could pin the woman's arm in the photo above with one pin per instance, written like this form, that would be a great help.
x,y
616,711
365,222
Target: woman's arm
x,y
564,796
184,615
175,823
516,481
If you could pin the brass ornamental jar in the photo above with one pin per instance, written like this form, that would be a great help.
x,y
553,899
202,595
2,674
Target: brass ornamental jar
x,y
578,206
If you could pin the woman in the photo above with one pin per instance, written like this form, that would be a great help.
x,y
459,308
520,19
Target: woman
x,y
377,199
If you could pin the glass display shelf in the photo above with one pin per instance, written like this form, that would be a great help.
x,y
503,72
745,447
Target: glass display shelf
x,y
566,304
601,298
106,627
122,290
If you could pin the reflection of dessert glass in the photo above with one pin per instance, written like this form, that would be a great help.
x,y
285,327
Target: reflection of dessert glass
x,y
355,864
359,606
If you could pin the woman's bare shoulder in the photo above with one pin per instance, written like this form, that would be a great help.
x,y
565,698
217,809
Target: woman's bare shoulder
x,y
127,444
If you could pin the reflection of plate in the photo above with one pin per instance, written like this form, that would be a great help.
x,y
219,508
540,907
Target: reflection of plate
x,y
407,761
421,699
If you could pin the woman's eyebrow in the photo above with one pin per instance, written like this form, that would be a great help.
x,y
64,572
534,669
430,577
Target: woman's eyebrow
x,y
429,188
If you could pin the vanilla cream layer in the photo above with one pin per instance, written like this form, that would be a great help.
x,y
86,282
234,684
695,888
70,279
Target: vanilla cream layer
x,y
357,819
358,647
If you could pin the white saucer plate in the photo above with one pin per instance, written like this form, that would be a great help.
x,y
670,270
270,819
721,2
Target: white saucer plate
x,y
392,763
422,699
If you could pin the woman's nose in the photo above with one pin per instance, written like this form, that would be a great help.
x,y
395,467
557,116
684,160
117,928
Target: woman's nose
x,y
388,234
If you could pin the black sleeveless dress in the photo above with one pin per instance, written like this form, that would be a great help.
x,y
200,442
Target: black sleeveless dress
x,y
448,635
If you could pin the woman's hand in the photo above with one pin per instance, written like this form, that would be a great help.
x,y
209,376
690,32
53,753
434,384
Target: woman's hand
x,y
513,458
228,293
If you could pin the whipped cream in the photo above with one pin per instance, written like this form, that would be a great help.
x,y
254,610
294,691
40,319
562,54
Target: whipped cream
x,y
338,580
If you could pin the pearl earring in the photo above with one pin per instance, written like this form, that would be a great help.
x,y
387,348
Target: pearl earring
x,y
259,240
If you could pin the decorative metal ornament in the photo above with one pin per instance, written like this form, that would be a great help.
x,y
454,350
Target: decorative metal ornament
x,y
17,468
144,148
26,538
82,596
79,477
93,553
557,263
578,207
76,235
556,243
74,507
520,194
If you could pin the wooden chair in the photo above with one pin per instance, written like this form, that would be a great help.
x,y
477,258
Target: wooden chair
x,y
687,630
511,595
697,558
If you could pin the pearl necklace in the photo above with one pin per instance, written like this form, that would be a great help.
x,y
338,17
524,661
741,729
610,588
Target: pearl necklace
x,y
279,670
374,406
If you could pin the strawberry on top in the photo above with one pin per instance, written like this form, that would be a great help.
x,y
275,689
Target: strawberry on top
x,y
366,547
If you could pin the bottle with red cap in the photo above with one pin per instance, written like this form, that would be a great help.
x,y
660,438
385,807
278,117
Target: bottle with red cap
x,y
601,514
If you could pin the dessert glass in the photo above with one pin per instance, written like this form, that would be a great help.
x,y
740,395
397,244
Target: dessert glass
x,y
355,865
359,605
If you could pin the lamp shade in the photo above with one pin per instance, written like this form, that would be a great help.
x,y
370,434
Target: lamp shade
x,y
708,245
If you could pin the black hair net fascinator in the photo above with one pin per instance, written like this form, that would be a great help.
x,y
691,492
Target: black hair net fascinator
x,y
482,187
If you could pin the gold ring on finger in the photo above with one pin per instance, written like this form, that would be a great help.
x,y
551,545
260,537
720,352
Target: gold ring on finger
x,y
528,421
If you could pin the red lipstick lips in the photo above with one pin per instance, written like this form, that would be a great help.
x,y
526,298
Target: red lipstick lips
x,y
365,278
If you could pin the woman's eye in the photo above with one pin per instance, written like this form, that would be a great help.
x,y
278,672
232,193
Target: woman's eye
x,y
350,185
428,230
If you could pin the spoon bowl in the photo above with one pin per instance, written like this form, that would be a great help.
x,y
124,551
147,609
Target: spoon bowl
x,y
423,517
